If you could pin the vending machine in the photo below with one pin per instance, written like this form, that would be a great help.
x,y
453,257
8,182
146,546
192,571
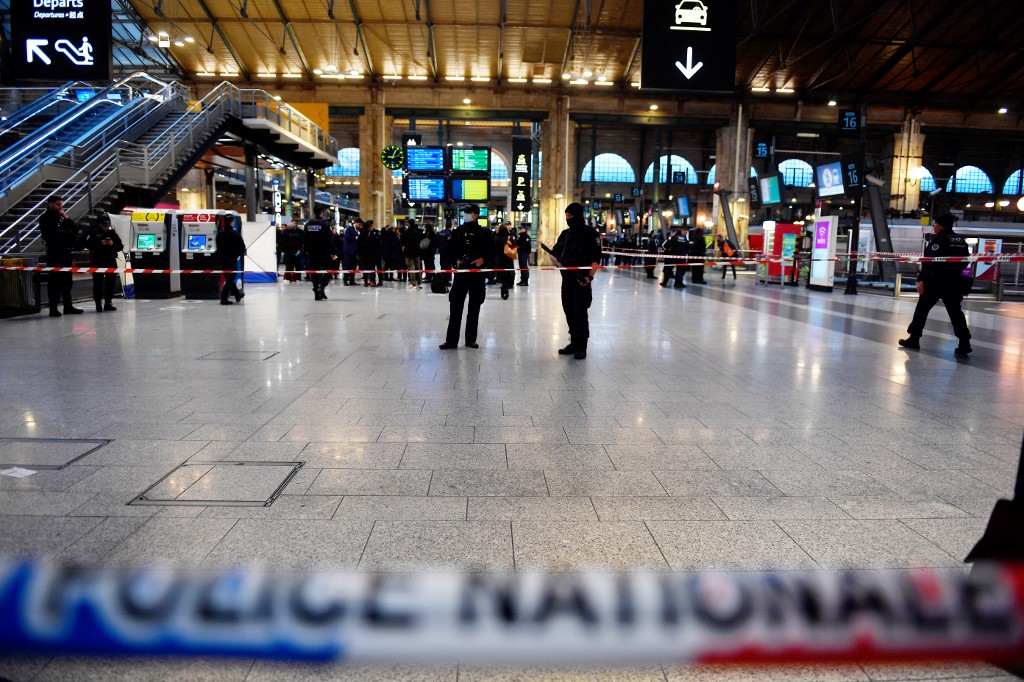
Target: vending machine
x,y
198,244
154,245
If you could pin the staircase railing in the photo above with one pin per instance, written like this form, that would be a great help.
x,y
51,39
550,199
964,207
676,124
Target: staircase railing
x,y
146,165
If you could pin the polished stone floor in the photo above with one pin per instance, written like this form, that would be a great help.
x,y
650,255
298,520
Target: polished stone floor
x,y
729,426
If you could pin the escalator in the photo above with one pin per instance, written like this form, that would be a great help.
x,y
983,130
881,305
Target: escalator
x,y
29,117
97,161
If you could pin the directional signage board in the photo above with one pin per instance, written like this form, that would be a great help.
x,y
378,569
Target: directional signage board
x,y
522,158
689,45
60,40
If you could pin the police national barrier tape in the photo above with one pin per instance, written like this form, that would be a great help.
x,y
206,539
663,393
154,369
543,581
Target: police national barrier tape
x,y
526,619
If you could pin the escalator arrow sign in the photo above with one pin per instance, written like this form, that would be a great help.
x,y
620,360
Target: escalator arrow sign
x,y
34,47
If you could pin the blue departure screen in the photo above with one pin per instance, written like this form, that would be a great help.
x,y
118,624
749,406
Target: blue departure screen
x,y
196,242
426,189
427,159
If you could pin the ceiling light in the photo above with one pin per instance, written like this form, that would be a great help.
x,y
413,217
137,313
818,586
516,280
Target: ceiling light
x,y
189,39
516,80
455,78
760,89
266,75
179,43
541,81
1003,110
318,72
153,39
277,98
832,103
352,72
579,81
355,76
229,73
330,68
480,79
395,77
786,91
990,204
588,74
206,74
566,76
601,79
635,84
467,101
417,78
604,83
291,75
1004,202
807,134
653,107
1020,204
458,144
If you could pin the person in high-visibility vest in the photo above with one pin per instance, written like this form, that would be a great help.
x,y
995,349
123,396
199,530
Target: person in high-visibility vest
x,y
728,250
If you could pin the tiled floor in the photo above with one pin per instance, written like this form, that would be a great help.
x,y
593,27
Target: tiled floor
x,y
728,426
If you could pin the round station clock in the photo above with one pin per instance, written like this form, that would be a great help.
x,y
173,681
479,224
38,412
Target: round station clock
x,y
392,157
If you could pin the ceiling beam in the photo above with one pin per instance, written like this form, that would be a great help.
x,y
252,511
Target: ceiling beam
x,y
572,36
431,49
362,39
501,37
629,63
227,43
295,43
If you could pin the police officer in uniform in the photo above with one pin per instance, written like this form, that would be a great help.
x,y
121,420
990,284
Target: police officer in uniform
x,y
230,248
577,246
320,250
104,245
61,235
941,281
469,245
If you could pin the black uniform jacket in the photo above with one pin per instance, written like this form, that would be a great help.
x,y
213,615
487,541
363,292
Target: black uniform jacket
x,y
470,241
60,235
945,243
578,246
103,255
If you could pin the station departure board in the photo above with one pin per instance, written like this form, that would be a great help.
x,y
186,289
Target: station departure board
x,y
471,160
424,159
471,190
426,189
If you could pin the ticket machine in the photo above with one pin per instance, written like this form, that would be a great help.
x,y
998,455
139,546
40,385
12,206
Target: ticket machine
x,y
198,243
154,245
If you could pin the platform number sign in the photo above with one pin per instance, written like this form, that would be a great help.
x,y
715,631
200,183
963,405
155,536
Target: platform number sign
x,y
617,198
853,177
760,150
849,120
634,192
679,177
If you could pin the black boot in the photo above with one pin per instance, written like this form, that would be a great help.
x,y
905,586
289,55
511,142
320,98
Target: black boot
x,y
570,349
581,350
99,306
911,342
71,310
109,306
54,312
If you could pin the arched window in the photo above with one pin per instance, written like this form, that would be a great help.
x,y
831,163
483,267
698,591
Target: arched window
x,y
608,168
796,173
679,164
1013,183
927,180
713,173
969,180
499,171
348,164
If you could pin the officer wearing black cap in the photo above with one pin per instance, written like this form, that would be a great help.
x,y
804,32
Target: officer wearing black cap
x,y
941,281
579,246
104,245
469,245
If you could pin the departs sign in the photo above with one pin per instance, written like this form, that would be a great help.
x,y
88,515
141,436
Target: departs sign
x,y
61,40
689,45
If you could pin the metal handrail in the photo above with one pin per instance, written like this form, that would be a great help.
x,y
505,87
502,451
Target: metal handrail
x,y
146,164
51,97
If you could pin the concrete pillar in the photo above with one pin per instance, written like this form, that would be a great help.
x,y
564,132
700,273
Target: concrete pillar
x,y
374,178
732,159
556,192
908,146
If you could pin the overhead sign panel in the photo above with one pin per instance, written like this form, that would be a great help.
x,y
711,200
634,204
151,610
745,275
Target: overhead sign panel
x,y
60,40
689,45
522,159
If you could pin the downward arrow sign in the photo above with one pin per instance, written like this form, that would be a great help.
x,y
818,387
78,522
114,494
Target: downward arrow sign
x,y
690,69
33,46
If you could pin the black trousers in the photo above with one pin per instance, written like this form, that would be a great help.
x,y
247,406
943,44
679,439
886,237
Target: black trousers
x,y
725,268
230,287
950,295
58,286
524,268
697,273
649,266
291,264
103,288
471,285
576,302
667,272
349,263
320,280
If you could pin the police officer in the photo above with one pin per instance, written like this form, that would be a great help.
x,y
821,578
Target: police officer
x,y
524,245
941,281
321,252
291,245
676,245
104,245
577,246
469,246
60,234
230,248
